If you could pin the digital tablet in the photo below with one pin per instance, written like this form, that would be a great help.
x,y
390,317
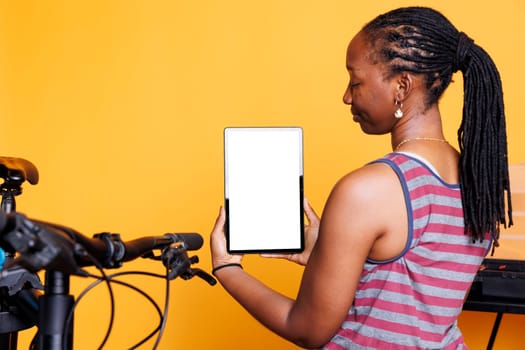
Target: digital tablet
x,y
263,189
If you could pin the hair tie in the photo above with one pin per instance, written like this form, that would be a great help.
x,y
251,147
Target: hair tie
x,y
461,60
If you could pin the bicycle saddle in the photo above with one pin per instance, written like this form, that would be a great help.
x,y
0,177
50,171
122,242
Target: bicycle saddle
x,y
18,169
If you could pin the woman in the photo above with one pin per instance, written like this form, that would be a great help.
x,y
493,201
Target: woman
x,y
400,239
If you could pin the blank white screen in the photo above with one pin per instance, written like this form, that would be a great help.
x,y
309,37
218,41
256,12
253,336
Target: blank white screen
x,y
263,179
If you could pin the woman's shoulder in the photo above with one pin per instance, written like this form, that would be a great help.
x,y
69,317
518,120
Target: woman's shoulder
x,y
368,183
367,205
370,174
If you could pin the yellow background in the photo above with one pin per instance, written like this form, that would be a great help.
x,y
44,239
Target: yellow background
x,y
121,106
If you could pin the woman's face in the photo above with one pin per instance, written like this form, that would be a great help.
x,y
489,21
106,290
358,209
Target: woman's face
x,y
370,94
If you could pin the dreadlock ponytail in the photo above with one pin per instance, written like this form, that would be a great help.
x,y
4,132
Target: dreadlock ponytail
x,y
482,142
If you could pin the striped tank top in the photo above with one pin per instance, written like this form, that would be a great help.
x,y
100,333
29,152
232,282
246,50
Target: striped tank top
x,y
413,301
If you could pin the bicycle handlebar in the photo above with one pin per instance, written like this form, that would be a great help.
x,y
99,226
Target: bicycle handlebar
x,y
44,245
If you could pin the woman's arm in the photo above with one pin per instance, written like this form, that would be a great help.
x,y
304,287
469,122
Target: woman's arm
x,y
349,228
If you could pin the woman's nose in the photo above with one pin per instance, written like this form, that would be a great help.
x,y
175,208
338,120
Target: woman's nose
x,y
347,97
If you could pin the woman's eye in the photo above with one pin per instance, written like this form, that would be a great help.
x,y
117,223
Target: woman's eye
x,y
353,85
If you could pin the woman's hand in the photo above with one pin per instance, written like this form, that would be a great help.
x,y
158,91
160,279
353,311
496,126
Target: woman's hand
x,y
311,231
219,253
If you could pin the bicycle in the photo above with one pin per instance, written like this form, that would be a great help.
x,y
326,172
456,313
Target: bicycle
x,y
28,246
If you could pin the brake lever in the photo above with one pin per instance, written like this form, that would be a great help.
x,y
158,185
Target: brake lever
x,y
205,276
175,258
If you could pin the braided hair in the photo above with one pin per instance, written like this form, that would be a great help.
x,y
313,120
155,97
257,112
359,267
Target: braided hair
x,y
422,41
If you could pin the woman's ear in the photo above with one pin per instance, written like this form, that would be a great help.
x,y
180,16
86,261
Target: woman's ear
x,y
404,85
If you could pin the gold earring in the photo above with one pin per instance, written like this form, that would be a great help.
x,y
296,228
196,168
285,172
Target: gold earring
x,y
398,113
